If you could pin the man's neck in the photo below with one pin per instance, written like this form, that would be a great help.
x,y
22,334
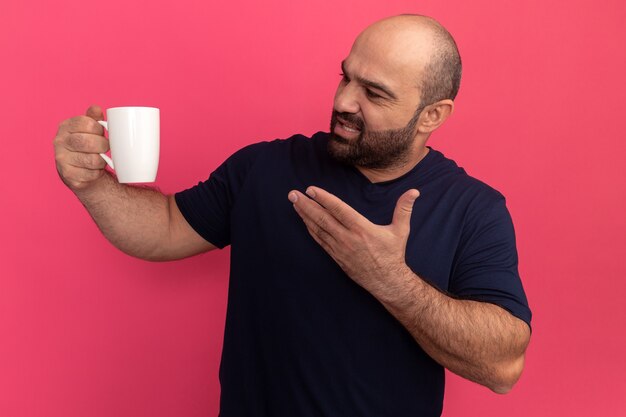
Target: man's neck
x,y
391,173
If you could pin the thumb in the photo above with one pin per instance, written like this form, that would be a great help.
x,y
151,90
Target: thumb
x,y
95,112
404,208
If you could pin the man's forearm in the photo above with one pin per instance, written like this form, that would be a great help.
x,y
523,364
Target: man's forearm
x,y
478,341
133,219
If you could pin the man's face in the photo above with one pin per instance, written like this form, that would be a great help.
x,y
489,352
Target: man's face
x,y
374,119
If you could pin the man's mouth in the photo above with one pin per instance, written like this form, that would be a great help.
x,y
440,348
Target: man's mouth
x,y
348,127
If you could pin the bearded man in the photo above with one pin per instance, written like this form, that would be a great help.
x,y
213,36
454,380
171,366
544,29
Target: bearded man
x,y
363,261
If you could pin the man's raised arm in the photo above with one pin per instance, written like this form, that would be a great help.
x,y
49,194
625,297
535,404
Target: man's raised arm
x,y
139,221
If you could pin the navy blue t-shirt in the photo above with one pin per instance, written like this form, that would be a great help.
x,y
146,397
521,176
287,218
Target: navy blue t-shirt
x,y
302,339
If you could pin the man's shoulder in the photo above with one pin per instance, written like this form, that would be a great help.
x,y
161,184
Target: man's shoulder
x,y
297,141
302,143
280,152
459,180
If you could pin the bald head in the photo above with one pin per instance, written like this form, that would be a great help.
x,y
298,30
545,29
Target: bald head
x,y
422,48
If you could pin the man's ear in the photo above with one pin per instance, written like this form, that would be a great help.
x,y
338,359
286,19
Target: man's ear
x,y
434,115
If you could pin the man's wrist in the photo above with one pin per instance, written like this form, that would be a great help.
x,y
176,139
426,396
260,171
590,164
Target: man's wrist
x,y
96,188
398,286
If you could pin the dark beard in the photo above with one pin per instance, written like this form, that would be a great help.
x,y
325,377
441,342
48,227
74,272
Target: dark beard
x,y
374,150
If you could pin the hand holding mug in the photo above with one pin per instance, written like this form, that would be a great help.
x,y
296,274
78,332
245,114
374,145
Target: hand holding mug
x,y
77,146
80,146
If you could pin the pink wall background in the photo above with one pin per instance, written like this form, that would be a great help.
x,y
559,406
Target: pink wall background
x,y
88,331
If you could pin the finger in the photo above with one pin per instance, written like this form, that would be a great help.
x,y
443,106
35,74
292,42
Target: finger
x,y
76,176
341,211
84,124
87,143
323,238
403,210
315,216
328,248
95,112
86,160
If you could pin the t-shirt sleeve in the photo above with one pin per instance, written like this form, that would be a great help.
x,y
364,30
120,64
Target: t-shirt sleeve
x,y
486,268
207,205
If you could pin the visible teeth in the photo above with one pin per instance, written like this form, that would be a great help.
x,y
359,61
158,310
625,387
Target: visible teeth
x,y
349,129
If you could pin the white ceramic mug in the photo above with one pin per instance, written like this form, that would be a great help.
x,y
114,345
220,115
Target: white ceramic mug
x,y
134,134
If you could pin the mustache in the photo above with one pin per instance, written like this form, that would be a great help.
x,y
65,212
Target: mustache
x,y
349,118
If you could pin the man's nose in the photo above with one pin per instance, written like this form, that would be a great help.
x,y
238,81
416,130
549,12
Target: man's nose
x,y
346,98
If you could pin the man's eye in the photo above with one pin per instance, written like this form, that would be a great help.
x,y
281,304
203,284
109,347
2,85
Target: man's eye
x,y
372,94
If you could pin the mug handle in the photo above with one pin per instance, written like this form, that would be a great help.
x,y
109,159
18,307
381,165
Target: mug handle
x,y
108,160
